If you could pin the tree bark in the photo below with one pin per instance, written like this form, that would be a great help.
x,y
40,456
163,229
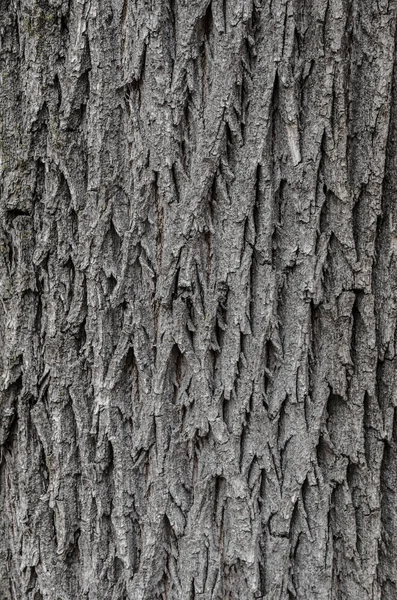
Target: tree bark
x,y
198,282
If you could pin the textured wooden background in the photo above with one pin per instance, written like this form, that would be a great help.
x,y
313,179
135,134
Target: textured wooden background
x,y
198,300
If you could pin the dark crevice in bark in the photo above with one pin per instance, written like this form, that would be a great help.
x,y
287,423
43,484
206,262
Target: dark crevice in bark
x,y
388,483
80,100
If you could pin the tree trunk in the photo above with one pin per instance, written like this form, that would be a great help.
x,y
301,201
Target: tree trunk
x,y
198,282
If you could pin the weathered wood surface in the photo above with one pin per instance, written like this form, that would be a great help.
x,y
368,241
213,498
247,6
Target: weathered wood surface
x,y
198,283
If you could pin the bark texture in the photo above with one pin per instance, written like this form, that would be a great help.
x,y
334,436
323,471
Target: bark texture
x,y
198,272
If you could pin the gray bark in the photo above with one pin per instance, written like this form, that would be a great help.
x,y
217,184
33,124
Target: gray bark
x,y
198,283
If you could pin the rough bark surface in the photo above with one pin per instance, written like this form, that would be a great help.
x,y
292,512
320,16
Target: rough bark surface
x,y
198,272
